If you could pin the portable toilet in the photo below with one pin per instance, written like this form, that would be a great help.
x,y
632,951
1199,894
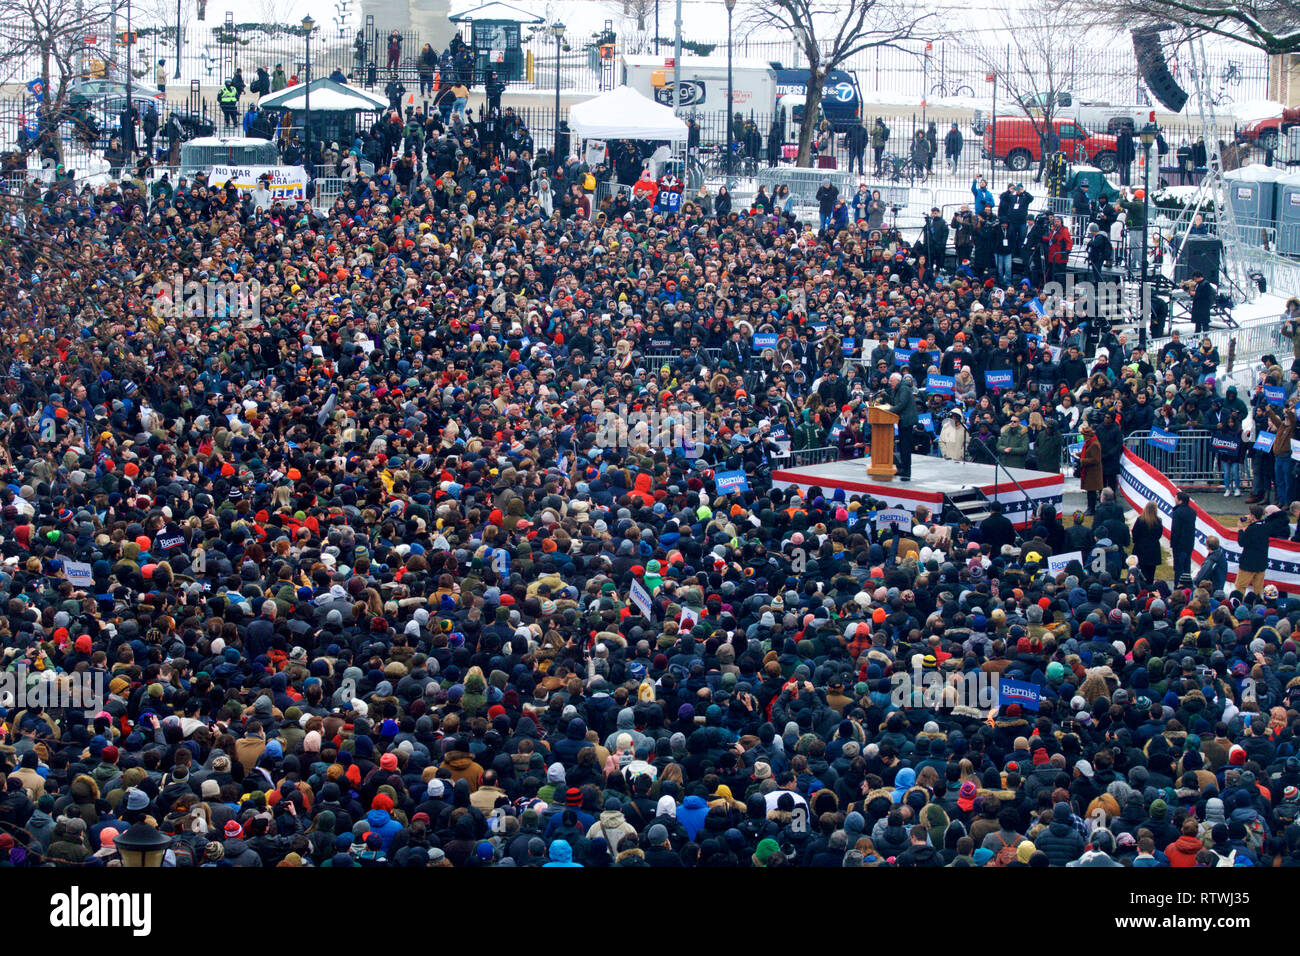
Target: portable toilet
x,y
1252,194
1288,215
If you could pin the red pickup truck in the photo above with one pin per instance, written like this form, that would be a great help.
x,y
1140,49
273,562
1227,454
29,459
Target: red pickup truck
x,y
1266,131
1016,142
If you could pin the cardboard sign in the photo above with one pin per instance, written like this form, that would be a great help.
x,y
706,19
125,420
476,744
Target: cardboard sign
x,y
940,384
1018,692
1264,441
887,516
287,183
729,481
1000,378
169,537
77,572
1163,439
1059,562
641,598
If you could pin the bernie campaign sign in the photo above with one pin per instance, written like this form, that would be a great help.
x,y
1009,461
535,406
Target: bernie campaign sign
x,y
1018,692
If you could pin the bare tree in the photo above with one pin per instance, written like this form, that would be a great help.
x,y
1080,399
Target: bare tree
x,y
1269,25
831,32
48,38
1031,60
640,9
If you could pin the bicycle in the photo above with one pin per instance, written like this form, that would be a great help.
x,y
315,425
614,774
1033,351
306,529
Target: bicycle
x,y
899,169
940,89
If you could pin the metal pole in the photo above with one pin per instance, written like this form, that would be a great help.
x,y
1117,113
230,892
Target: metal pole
x,y
129,75
179,30
306,124
993,159
656,27
1143,309
677,62
730,131
557,93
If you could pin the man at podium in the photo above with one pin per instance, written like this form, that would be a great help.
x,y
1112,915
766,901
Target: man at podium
x,y
902,402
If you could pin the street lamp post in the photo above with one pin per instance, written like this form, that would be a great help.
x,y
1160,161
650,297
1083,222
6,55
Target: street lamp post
x,y
179,34
308,26
1148,135
141,846
557,29
731,5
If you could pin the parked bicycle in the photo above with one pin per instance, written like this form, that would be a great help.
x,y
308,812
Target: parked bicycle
x,y
941,89
903,169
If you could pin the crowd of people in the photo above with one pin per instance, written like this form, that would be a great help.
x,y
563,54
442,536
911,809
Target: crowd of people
x,y
366,580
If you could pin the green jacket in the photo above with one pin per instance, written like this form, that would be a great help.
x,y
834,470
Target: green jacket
x,y
1135,213
1017,440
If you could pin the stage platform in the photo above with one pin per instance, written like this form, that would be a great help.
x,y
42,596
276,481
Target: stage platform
x,y
932,478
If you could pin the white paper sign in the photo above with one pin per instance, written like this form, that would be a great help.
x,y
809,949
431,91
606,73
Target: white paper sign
x,y
1059,562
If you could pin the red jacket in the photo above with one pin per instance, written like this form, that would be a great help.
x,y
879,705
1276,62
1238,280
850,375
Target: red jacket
x,y
1182,852
1059,245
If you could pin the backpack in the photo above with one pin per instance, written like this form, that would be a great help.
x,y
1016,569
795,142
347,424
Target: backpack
x,y
1005,856
886,129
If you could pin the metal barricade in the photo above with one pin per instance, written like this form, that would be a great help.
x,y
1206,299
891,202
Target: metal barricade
x,y
328,189
610,190
811,456
804,182
1190,463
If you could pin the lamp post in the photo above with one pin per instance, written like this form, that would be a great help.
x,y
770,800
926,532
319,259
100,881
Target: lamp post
x,y
731,5
557,30
180,31
308,26
141,846
1148,135
130,77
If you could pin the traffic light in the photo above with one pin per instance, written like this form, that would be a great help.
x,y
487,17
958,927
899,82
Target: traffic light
x,y
128,38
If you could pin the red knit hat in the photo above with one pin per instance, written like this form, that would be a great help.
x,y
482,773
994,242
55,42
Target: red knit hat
x,y
382,801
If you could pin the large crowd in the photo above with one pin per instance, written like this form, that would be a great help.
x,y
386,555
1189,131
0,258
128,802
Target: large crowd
x,y
367,583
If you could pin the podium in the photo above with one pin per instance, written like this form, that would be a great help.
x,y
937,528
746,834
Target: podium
x,y
882,443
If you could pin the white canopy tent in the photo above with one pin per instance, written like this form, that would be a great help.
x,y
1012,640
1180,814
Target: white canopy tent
x,y
623,113
326,97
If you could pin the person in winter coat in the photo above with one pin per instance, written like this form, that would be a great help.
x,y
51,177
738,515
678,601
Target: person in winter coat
x,y
1182,536
952,145
1253,562
612,826
1061,841
560,855
380,820
1213,571
1090,471
879,138
954,437
1183,851
1148,533
920,852
1013,444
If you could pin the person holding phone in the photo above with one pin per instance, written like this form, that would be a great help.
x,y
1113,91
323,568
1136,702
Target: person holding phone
x,y
1253,538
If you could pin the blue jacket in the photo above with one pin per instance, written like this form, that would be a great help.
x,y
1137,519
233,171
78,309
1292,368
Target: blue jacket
x,y
691,814
561,855
983,198
381,822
